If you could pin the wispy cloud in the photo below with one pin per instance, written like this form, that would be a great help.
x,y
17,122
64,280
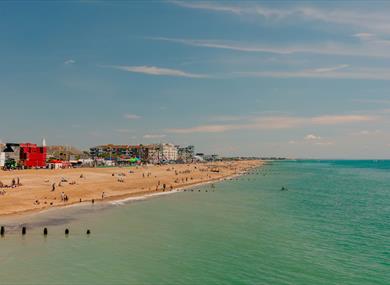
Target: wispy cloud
x,y
311,137
373,20
372,49
336,72
341,119
154,136
207,6
229,118
131,116
153,70
368,132
329,69
272,123
231,45
69,61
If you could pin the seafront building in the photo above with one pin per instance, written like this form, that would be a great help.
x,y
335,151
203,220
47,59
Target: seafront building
x,y
169,151
28,155
24,155
2,155
186,154
151,153
115,152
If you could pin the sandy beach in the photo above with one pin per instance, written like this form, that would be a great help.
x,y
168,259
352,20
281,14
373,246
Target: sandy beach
x,y
43,189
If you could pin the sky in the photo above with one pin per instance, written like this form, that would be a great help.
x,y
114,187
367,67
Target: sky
x,y
277,78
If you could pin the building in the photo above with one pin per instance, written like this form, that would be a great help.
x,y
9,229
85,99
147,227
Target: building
x,y
12,152
24,155
117,152
160,153
186,154
32,155
211,157
2,155
169,152
152,154
206,157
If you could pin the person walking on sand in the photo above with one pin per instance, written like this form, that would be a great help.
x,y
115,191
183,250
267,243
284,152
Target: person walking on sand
x,y
53,187
103,195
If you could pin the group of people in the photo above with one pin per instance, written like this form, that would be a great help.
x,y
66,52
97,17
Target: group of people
x,y
64,197
148,174
14,183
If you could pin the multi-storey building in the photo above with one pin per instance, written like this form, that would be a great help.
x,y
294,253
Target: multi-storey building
x,y
186,154
114,152
169,152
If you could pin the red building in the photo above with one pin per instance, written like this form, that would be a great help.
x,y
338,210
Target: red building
x,y
32,155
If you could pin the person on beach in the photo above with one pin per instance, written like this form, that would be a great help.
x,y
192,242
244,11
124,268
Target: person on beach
x,y
53,187
103,195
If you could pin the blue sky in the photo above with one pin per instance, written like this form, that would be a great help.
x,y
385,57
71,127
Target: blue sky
x,y
296,79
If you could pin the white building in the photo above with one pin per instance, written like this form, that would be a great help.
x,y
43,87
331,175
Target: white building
x,y
2,159
2,155
169,151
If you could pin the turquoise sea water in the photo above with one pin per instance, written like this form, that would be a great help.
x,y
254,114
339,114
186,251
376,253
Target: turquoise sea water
x,y
332,226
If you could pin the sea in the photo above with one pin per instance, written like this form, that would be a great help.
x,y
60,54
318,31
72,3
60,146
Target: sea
x,y
288,222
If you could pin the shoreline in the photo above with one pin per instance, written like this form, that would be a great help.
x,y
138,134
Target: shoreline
x,y
135,195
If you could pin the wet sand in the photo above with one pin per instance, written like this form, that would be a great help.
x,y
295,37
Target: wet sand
x,y
87,184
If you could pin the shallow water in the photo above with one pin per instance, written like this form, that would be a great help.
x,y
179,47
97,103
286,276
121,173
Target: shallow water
x,y
332,226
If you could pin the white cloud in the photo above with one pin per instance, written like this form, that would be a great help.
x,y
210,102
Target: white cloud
x,y
207,6
153,70
228,45
367,19
368,132
365,49
69,61
321,143
312,137
131,116
229,118
154,136
274,122
364,36
341,119
325,73
329,69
